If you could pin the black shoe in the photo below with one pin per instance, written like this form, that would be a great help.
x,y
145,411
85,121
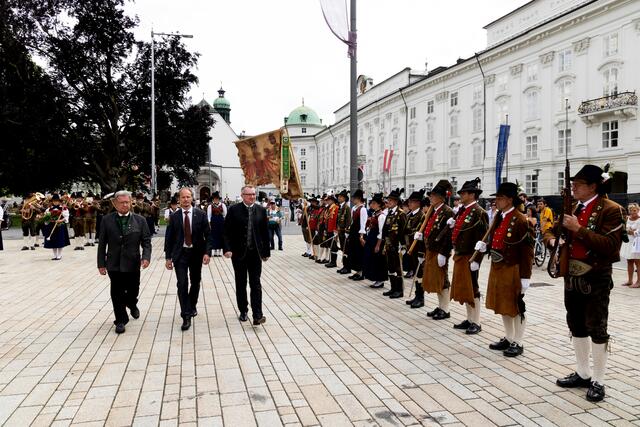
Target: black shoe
x,y
92,244
377,285
120,328
37,245
305,255
418,303
77,248
135,312
441,315
573,381
259,321
595,392
279,249
312,257
87,244
513,350
410,301
24,248
463,325
396,294
243,317
473,329
409,275
503,344
325,261
344,271
186,323
194,312
331,264
434,312
353,276
357,277
387,293
318,261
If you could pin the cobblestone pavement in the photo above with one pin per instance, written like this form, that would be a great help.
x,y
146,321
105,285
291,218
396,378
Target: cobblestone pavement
x,y
332,352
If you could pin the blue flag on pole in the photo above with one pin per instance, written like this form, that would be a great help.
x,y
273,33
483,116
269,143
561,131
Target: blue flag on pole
x,y
503,137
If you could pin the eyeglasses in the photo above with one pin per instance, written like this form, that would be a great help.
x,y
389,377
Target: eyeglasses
x,y
248,194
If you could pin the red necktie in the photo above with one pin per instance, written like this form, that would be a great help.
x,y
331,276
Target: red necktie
x,y
187,229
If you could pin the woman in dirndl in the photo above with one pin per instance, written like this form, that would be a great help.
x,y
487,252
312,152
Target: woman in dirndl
x,y
56,235
375,263
216,212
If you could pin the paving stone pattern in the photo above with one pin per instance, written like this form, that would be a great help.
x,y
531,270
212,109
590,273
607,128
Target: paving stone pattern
x,y
332,353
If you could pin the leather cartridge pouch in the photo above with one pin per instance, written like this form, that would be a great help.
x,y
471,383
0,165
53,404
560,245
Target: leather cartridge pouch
x,y
578,268
496,256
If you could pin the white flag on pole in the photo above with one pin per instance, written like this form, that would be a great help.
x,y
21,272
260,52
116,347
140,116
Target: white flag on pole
x,y
336,15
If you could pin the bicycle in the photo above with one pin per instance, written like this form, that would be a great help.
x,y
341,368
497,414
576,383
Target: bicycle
x,y
539,249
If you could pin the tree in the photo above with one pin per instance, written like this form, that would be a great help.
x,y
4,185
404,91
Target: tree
x,y
104,74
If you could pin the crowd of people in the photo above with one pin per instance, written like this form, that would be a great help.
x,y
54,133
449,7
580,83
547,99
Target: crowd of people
x,y
385,239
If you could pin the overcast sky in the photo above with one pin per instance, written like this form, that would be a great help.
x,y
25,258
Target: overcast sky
x,y
269,54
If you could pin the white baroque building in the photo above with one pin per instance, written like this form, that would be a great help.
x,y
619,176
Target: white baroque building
x,y
537,56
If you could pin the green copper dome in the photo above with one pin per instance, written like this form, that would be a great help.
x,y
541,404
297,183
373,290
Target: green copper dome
x,y
221,102
303,116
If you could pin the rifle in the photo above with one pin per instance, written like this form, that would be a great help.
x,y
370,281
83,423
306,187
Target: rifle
x,y
488,233
422,227
559,257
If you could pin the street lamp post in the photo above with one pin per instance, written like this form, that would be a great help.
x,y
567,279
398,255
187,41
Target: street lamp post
x,y
154,183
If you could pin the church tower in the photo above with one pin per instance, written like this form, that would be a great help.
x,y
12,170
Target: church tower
x,y
222,106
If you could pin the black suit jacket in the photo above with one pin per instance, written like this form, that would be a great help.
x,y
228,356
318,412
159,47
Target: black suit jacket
x,y
174,235
121,252
235,230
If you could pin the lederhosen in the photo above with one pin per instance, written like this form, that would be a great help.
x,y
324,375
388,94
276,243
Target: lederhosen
x,y
29,224
586,296
410,262
471,224
304,225
320,226
344,220
392,232
77,219
90,214
437,238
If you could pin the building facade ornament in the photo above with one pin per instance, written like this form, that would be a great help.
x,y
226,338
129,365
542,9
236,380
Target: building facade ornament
x,y
547,58
490,79
442,96
516,70
581,46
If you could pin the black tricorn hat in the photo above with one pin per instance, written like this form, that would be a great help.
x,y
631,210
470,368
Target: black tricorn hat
x,y
395,194
215,195
358,194
173,201
509,189
56,196
344,193
377,197
471,187
417,195
443,188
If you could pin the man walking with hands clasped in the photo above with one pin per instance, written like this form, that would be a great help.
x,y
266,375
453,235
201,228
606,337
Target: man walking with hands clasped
x,y
187,247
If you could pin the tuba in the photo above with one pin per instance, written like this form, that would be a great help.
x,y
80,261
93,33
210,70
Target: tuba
x,y
30,205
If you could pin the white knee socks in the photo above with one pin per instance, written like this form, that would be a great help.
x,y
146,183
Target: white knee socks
x,y
599,361
469,312
476,311
520,325
508,321
443,299
582,347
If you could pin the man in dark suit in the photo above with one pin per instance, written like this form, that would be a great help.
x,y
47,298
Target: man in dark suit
x,y
122,234
246,242
187,247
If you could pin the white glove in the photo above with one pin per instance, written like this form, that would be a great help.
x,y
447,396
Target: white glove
x,y
417,236
420,260
451,222
403,250
480,246
335,233
474,266
524,283
442,260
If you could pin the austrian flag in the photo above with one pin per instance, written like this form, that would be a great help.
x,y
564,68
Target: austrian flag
x,y
386,163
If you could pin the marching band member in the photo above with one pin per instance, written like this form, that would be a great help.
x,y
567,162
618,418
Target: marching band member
x,y
511,251
393,235
415,258
469,226
216,212
356,238
343,223
375,263
56,218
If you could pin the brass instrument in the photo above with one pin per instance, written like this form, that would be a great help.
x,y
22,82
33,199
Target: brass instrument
x,y
30,205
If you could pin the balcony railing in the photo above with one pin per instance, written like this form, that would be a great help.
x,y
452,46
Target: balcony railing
x,y
612,102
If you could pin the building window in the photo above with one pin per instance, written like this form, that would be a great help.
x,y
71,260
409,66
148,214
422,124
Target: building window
x,y
381,143
453,129
429,161
532,105
501,82
430,134
477,154
478,119
503,111
477,94
303,165
560,182
382,124
565,93
371,146
610,77
454,99
429,107
303,179
412,162
454,156
531,147
532,73
395,119
412,188
564,60
562,133
304,130
394,166
412,136
531,184
303,151
610,44
412,112
610,134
